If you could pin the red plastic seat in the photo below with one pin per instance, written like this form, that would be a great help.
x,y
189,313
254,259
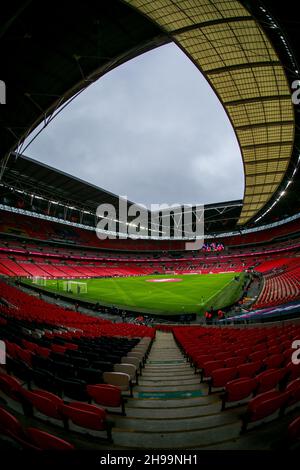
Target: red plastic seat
x,y
87,416
220,377
58,348
25,356
244,352
45,402
274,361
9,424
264,405
257,356
209,367
234,361
10,386
44,352
250,369
269,379
237,390
292,371
11,427
45,441
294,430
293,389
199,360
107,395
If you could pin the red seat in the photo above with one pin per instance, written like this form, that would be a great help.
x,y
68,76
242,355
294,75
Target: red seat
x,y
44,352
294,430
269,379
249,369
10,386
209,367
220,377
107,395
264,405
87,416
9,424
45,402
237,390
25,356
292,371
11,427
244,352
45,441
58,348
257,356
293,389
234,361
222,356
274,361
199,360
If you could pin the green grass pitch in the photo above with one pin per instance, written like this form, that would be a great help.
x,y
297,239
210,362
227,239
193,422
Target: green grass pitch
x,y
191,294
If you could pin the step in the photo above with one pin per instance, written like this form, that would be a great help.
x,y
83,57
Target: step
x,y
205,409
166,381
179,424
179,440
171,388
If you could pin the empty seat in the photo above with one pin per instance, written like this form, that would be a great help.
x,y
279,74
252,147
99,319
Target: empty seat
x,y
75,389
209,367
45,441
11,427
262,406
250,369
45,380
238,390
292,371
129,369
46,403
87,416
268,380
220,377
103,366
274,361
119,379
10,386
257,356
107,395
132,360
294,430
293,390
233,361
90,376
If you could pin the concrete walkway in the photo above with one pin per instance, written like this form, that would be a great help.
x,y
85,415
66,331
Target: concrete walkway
x,y
170,408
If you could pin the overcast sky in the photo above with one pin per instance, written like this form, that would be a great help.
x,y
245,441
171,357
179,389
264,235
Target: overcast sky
x,y
153,130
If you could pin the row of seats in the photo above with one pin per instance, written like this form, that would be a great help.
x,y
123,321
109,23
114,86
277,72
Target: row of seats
x,y
30,438
68,414
22,306
280,287
246,366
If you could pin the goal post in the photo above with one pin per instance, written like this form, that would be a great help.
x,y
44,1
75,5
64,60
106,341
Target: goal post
x,y
75,287
39,281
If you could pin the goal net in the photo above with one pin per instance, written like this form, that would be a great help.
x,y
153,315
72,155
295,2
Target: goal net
x,y
75,287
39,281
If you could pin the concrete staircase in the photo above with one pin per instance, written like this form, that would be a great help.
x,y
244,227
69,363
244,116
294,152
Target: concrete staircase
x,y
170,408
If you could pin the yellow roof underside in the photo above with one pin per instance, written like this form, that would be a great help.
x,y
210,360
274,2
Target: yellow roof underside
x,y
237,58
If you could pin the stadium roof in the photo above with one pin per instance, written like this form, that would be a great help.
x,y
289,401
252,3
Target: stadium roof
x,y
33,177
50,52
26,176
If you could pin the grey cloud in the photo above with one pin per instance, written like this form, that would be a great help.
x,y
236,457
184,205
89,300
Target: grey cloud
x,y
152,130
